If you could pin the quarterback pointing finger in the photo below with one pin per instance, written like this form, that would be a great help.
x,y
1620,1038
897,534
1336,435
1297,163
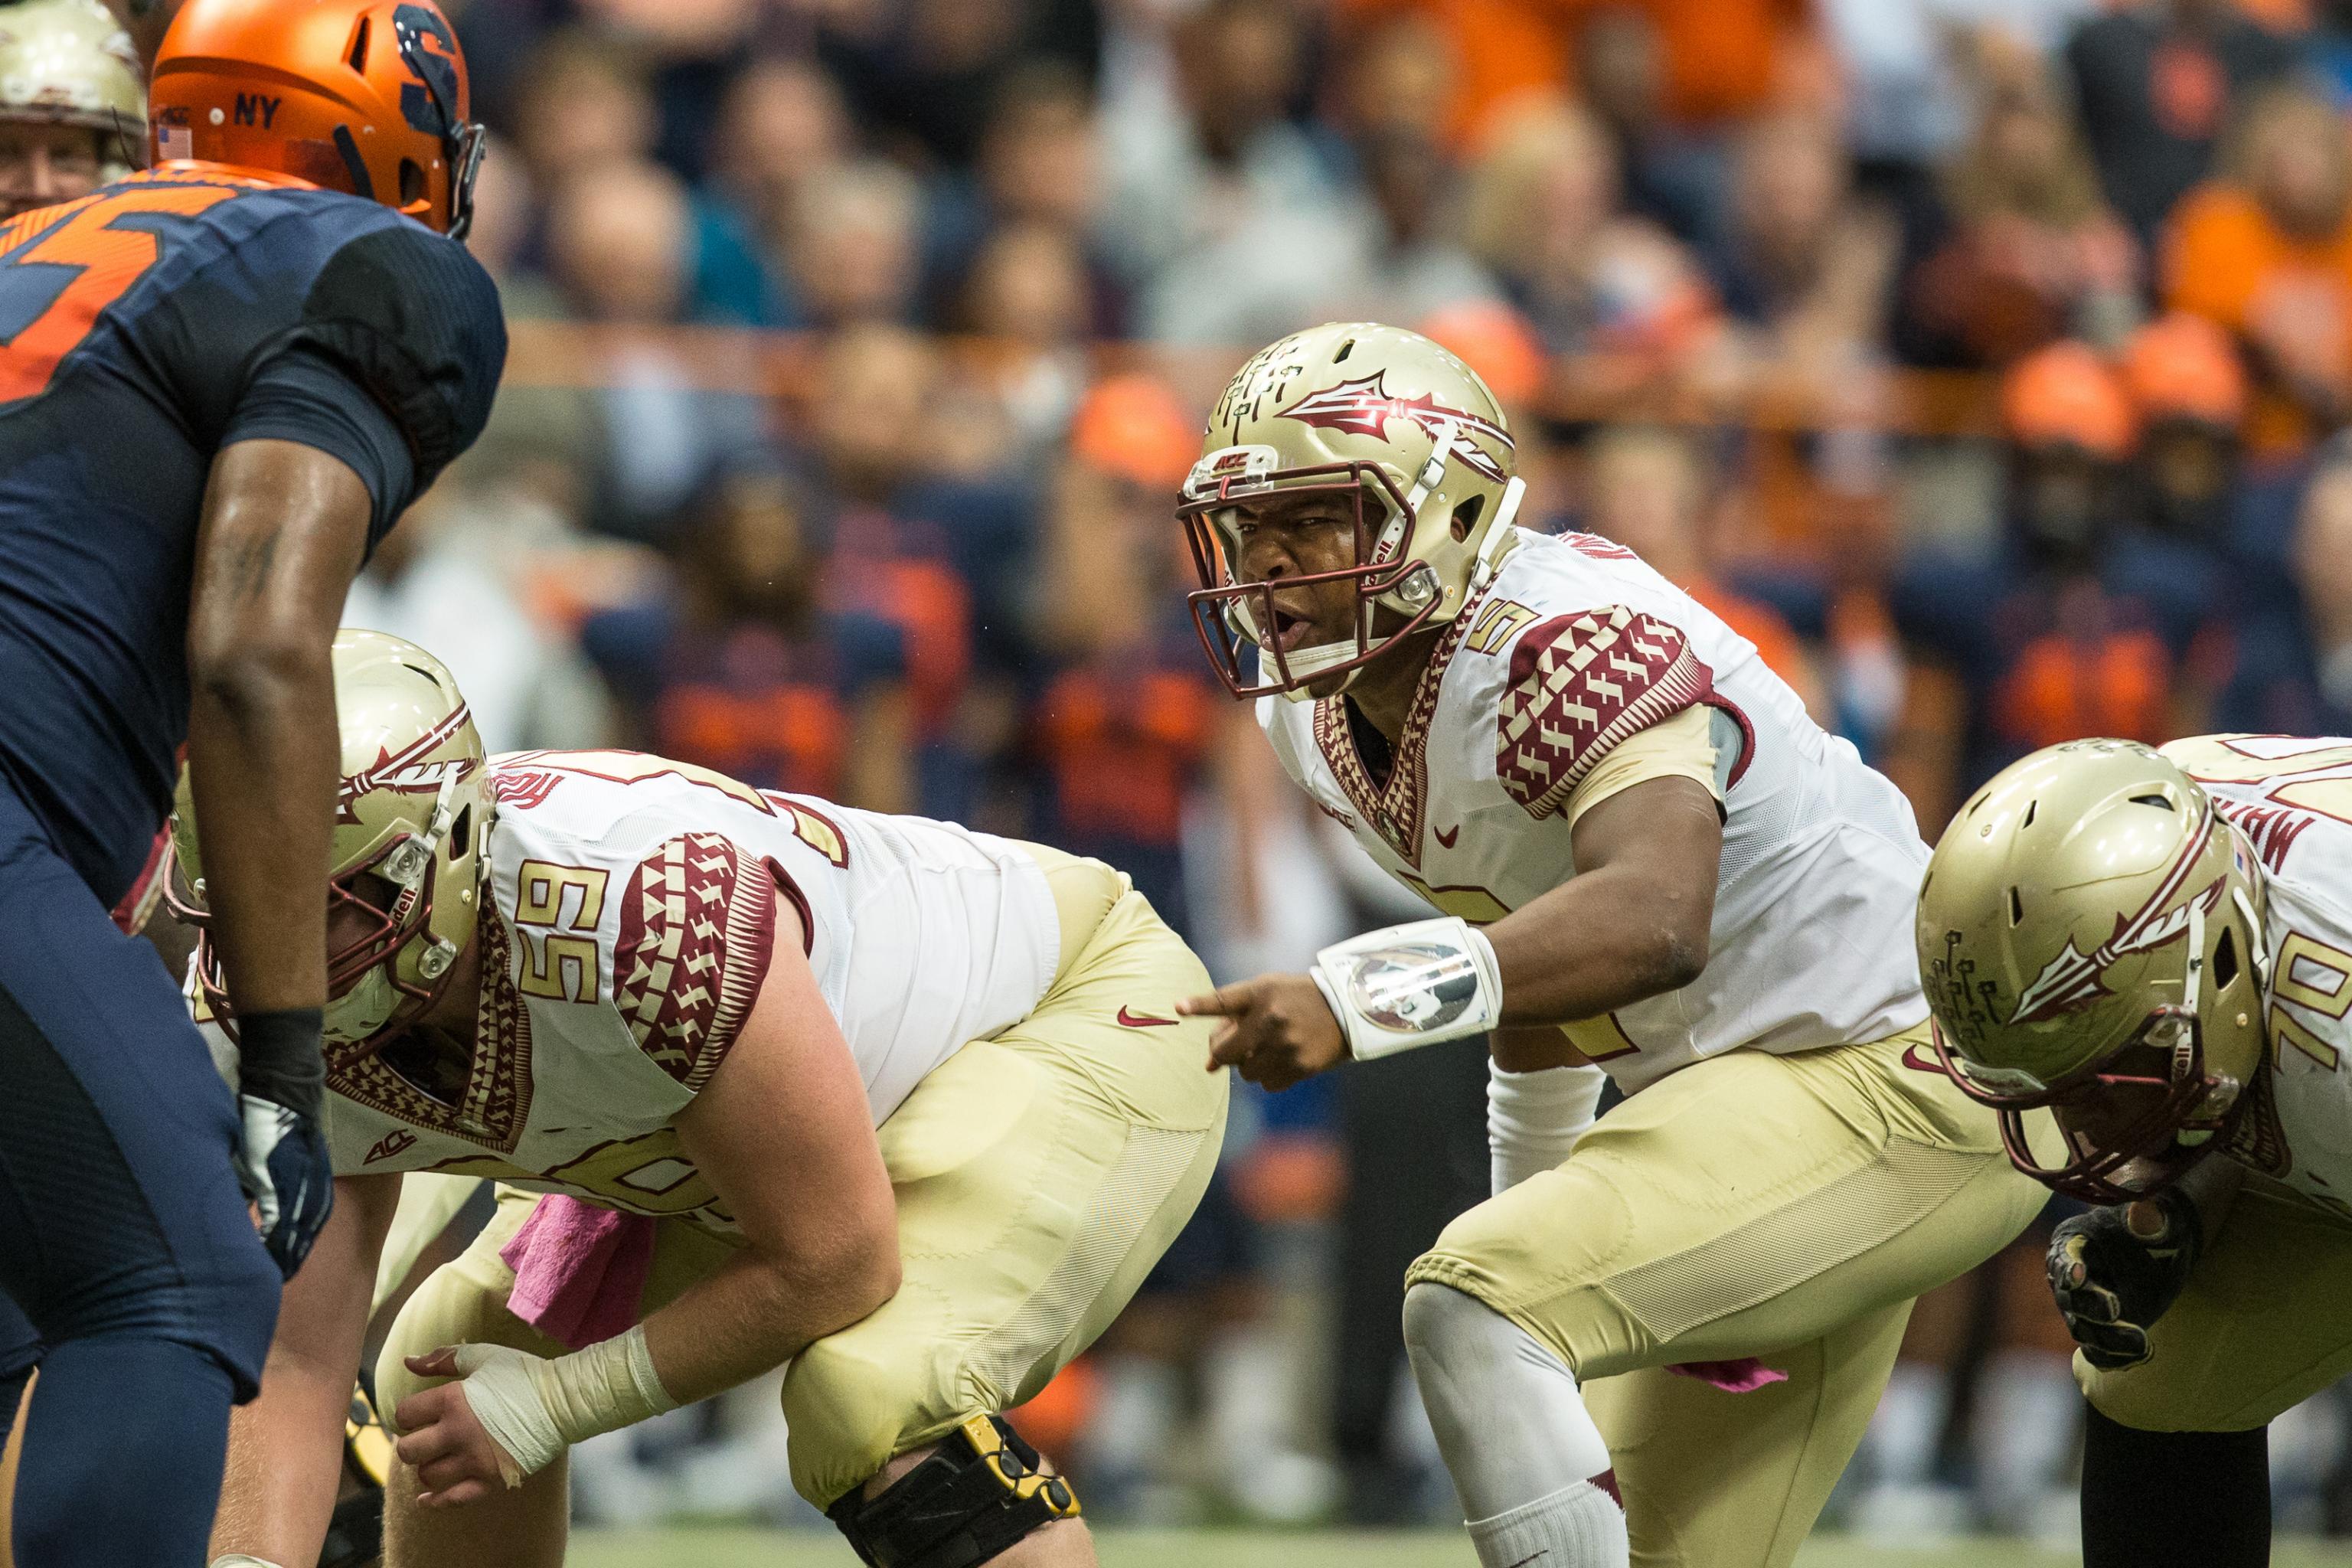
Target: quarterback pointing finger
x,y
1641,854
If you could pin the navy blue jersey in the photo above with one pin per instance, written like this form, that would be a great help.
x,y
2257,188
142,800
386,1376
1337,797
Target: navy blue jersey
x,y
143,329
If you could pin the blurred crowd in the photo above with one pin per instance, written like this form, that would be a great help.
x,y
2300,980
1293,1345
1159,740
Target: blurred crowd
x,y
1983,362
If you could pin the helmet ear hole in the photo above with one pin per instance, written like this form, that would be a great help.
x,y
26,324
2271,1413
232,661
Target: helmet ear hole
x,y
1467,516
2225,961
461,833
358,57
411,181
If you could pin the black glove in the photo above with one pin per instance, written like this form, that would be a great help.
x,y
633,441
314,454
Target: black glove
x,y
2113,1284
281,1156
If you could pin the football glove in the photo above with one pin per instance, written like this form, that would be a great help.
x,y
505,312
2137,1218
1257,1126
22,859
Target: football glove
x,y
2113,1283
281,1154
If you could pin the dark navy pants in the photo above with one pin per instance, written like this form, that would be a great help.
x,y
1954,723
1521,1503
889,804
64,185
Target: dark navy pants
x,y
129,1266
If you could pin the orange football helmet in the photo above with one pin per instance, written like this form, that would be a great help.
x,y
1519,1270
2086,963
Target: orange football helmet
x,y
363,96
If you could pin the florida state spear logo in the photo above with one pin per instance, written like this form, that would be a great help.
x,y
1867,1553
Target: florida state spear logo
x,y
408,771
1365,407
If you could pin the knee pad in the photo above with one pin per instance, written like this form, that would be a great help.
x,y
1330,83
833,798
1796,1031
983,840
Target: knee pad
x,y
972,1498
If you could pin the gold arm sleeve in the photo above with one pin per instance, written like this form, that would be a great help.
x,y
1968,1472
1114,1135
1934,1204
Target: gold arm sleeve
x,y
1682,747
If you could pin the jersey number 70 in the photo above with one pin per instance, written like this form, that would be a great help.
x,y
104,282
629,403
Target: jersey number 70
x,y
107,260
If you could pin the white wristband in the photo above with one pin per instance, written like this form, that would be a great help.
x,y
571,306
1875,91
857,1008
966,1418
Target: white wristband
x,y
1534,1118
534,1409
1409,985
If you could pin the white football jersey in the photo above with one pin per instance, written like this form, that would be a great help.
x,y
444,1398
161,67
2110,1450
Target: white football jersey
x,y
2291,796
1575,645
627,934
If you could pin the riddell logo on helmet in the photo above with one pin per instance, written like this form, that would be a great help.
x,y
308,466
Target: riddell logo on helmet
x,y
1364,407
407,772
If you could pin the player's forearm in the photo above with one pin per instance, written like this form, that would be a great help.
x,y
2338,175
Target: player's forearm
x,y
285,1454
1604,940
263,767
283,531
755,1314
285,1462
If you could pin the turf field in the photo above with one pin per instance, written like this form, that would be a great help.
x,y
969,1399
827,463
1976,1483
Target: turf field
x,y
1222,1549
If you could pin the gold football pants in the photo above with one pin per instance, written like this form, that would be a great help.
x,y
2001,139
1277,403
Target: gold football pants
x,y
2265,1323
1784,1208
1039,1176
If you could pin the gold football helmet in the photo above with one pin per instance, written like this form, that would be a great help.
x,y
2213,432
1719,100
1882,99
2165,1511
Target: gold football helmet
x,y
69,62
412,823
1401,427
2090,937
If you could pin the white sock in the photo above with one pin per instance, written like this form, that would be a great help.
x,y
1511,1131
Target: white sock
x,y
1526,1460
1579,1526
1909,1425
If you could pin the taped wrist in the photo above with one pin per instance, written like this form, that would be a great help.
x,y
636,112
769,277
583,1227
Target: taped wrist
x,y
1409,985
277,1057
1534,1118
534,1409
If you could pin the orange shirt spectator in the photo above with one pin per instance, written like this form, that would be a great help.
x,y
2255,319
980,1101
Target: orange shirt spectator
x,y
1722,57
2267,253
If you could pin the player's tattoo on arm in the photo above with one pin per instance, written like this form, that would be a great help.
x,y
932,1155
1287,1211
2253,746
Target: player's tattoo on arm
x,y
245,565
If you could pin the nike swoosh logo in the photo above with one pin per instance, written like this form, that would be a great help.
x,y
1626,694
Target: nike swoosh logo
x,y
1920,1059
1144,1020
1447,838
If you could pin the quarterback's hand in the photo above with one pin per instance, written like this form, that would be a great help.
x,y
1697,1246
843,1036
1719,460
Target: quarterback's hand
x,y
2115,1270
1278,1030
456,1459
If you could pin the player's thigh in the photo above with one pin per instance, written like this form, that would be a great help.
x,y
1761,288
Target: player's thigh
x,y
2263,1323
1714,1480
119,1210
464,1301
1039,1176
1747,1203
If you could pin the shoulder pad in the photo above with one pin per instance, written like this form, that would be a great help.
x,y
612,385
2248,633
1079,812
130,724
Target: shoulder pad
x,y
697,932
417,321
1580,684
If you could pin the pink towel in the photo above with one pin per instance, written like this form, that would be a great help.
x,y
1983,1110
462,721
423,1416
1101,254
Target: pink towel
x,y
580,1270
1745,1375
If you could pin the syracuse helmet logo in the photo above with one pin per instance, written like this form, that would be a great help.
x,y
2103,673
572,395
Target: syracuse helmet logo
x,y
1365,407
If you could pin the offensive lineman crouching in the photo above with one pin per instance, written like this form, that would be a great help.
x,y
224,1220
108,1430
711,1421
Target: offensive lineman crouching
x,y
2155,945
721,1025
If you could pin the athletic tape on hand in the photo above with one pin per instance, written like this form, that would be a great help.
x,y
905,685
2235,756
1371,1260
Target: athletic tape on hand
x,y
533,1408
